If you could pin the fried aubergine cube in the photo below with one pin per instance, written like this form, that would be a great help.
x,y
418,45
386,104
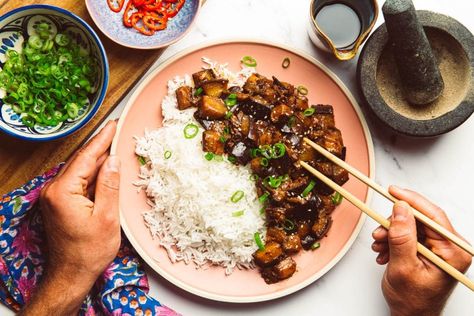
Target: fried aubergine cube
x,y
292,244
280,271
268,256
214,88
321,225
211,108
211,142
202,76
184,97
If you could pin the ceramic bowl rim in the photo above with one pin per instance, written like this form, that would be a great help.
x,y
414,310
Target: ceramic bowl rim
x,y
105,69
165,44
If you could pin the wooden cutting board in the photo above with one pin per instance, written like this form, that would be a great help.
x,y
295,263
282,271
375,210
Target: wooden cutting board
x,y
21,160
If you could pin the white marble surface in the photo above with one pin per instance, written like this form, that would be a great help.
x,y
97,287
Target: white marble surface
x,y
439,168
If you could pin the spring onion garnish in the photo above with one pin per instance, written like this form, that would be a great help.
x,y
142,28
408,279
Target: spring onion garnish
x,y
231,159
228,115
279,150
237,213
253,177
198,92
254,152
263,197
258,241
316,245
274,182
218,158
167,154
336,198
226,130
264,162
237,196
308,189
50,81
288,225
309,112
222,139
266,151
231,100
262,210
141,160
249,61
302,90
286,62
190,131
291,121
209,156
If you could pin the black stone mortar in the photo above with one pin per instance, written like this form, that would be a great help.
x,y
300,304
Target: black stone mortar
x,y
378,78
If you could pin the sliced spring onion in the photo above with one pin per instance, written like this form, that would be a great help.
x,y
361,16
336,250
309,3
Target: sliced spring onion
x,y
218,158
308,189
231,159
198,92
226,130
228,115
286,62
291,121
237,213
302,90
254,152
266,151
141,160
262,210
279,150
258,241
253,177
249,61
167,154
231,100
237,196
222,139
209,156
263,197
336,198
264,162
309,112
62,39
190,131
288,225
274,182
316,245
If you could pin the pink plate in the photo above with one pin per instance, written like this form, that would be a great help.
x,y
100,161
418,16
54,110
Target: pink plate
x,y
143,111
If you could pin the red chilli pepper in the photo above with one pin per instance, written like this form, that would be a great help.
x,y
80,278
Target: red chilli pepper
x,y
115,5
127,15
142,28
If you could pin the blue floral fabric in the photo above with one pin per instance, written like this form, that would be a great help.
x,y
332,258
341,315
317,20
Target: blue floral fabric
x,y
121,290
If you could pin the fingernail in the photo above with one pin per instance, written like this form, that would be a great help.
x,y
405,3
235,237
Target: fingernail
x,y
401,211
378,230
113,163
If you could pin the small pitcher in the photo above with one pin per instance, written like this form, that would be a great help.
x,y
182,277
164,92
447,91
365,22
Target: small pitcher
x,y
330,25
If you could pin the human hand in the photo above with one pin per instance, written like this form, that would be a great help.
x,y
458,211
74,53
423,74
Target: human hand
x,y
80,214
412,285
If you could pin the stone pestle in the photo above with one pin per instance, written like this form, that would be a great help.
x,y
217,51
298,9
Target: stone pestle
x,y
417,66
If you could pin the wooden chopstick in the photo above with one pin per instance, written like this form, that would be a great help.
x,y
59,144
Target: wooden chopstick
x,y
418,215
443,265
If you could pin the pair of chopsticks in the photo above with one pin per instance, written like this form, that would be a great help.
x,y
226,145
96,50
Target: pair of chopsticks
x,y
443,265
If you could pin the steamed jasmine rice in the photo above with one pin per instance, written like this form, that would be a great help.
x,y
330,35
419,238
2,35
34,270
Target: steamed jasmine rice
x,y
192,214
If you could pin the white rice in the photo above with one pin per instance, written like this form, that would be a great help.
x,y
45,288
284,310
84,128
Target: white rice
x,y
191,214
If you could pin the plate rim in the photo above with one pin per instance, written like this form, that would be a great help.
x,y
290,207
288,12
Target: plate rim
x,y
281,293
154,47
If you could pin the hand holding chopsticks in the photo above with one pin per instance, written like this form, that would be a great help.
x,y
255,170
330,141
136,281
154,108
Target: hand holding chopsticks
x,y
386,223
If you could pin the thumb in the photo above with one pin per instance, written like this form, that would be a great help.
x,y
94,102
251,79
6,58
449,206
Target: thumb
x,y
402,238
107,188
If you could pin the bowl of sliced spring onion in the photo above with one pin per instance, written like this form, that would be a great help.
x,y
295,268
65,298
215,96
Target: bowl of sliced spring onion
x,y
54,73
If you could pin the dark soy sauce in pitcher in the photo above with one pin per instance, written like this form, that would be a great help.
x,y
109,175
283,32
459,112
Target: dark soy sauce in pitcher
x,y
340,23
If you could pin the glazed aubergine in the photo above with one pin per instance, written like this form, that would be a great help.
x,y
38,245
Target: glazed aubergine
x,y
262,124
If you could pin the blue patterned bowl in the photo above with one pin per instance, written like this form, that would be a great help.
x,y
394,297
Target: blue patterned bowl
x,y
111,24
15,27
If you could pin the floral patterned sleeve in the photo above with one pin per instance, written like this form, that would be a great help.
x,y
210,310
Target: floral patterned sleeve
x,y
121,290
